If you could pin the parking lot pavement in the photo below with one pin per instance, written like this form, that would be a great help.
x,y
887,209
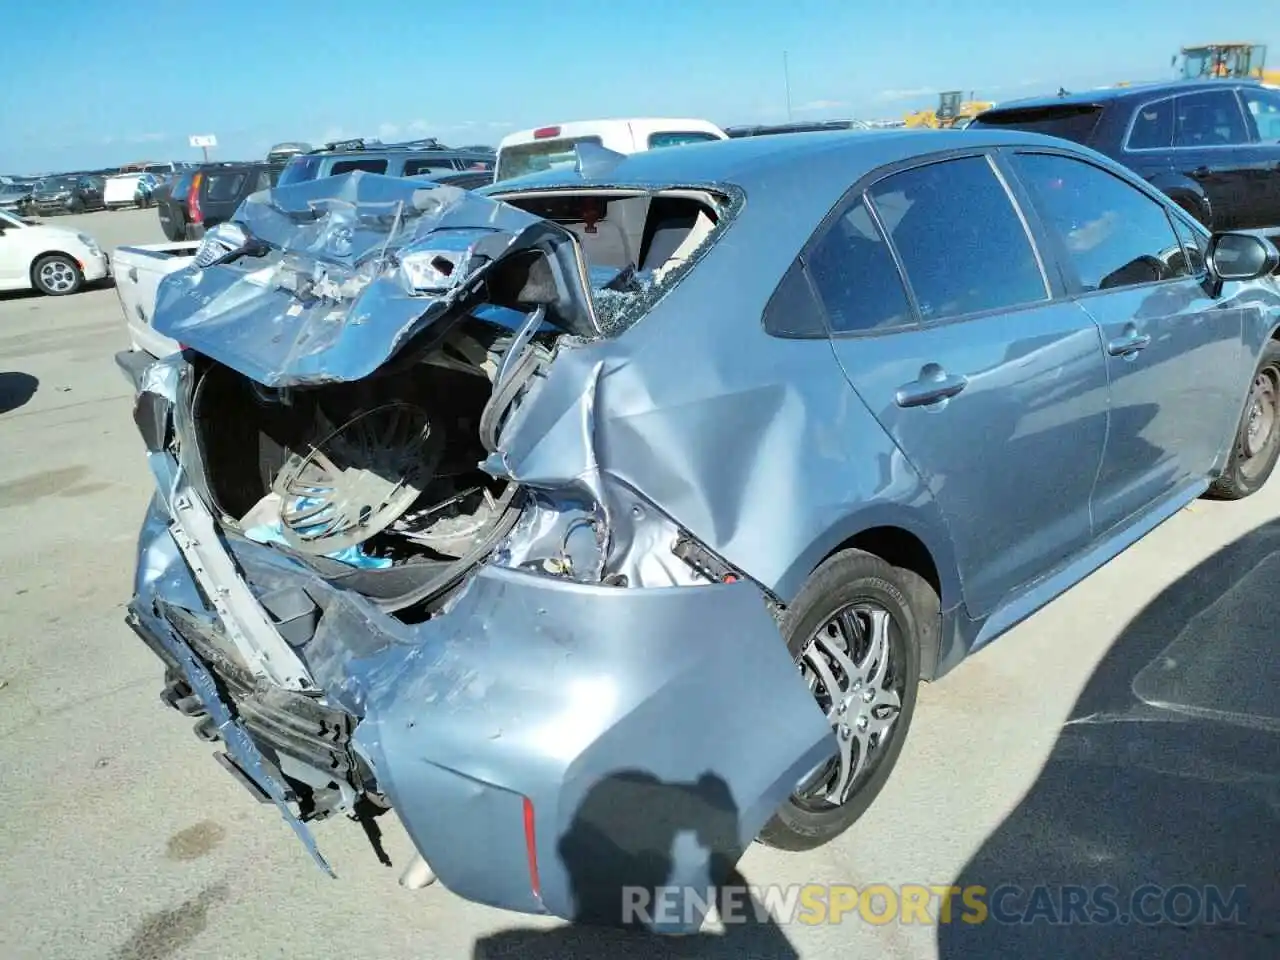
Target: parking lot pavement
x,y
122,839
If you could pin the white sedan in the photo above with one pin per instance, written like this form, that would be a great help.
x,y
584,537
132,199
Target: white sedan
x,y
53,260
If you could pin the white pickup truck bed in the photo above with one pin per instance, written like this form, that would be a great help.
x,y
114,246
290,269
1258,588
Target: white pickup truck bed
x,y
138,271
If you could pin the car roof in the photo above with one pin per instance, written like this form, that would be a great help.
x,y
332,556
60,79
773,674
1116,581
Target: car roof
x,y
790,182
839,156
1103,95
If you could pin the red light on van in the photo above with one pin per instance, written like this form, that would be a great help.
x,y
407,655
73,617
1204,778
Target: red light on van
x,y
544,133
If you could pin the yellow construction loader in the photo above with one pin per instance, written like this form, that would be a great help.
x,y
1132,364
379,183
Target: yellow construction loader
x,y
952,111
1227,60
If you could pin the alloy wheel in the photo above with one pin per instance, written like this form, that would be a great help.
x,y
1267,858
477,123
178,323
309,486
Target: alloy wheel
x,y
1262,418
850,666
57,276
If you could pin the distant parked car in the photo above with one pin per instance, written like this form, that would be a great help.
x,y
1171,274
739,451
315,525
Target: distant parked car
x,y
201,198
54,260
129,190
67,194
551,147
15,198
1213,146
392,159
282,153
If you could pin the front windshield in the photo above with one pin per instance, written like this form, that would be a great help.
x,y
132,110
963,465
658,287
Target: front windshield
x,y
57,183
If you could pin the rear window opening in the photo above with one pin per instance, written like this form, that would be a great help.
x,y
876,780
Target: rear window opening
x,y
635,243
620,229
539,155
1075,122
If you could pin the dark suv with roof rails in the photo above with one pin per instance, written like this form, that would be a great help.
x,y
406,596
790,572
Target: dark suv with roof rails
x,y
413,159
1213,146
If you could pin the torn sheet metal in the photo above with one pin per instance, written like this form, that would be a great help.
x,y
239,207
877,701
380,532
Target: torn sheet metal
x,y
239,745
356,266
565,694
562,692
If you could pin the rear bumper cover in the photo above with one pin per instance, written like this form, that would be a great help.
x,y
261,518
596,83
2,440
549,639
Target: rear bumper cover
x,y
546,743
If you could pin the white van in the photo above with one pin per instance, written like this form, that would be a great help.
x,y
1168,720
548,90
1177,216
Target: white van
x,y
550,147
127,190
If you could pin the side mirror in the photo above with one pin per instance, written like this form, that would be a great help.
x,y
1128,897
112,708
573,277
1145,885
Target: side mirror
x,y
1241,256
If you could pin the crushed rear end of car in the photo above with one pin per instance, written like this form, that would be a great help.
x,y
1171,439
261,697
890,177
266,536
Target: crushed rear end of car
x,y
387,568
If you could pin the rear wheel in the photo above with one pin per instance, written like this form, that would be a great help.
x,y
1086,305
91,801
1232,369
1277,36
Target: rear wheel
x,y
855,630
1257,445
57,275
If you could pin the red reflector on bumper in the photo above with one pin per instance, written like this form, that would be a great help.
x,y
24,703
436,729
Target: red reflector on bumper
x,y
531,848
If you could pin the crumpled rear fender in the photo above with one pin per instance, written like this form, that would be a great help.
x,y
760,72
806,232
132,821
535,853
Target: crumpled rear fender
x,y
651,732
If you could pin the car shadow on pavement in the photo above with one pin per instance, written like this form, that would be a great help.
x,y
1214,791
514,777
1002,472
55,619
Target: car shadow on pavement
x,y
654,816
16,389
1154,827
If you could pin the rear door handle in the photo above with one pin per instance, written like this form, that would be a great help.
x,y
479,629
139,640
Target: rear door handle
x,y
934,386
1130,343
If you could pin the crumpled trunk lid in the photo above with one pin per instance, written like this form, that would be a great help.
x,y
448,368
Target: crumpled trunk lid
x,y
349,269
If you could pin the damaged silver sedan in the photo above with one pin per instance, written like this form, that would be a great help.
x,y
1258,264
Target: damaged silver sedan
x,y
598,525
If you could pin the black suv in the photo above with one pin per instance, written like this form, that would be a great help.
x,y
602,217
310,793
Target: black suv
x,y
417,158
1213,146
69,193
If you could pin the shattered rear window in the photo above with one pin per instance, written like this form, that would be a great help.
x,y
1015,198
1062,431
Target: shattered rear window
x,y
637,247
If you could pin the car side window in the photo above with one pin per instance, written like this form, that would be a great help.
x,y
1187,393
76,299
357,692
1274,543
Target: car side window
x,y
1264,106
413,168
367,165
1152,126
962,244
1209,119
1111,233
856,277
792,311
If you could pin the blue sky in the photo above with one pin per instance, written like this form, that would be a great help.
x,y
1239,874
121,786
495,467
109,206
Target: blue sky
x,y
117,80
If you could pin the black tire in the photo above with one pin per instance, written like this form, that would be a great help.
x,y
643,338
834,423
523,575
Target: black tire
x,y
845,578
56,265
1257,442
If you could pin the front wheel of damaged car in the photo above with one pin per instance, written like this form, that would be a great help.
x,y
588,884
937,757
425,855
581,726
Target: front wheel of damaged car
x,y
856,631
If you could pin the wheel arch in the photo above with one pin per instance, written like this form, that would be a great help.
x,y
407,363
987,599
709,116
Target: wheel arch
x,y
914,539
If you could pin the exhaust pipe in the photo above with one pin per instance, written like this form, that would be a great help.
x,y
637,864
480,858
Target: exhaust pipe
x,y
418,874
